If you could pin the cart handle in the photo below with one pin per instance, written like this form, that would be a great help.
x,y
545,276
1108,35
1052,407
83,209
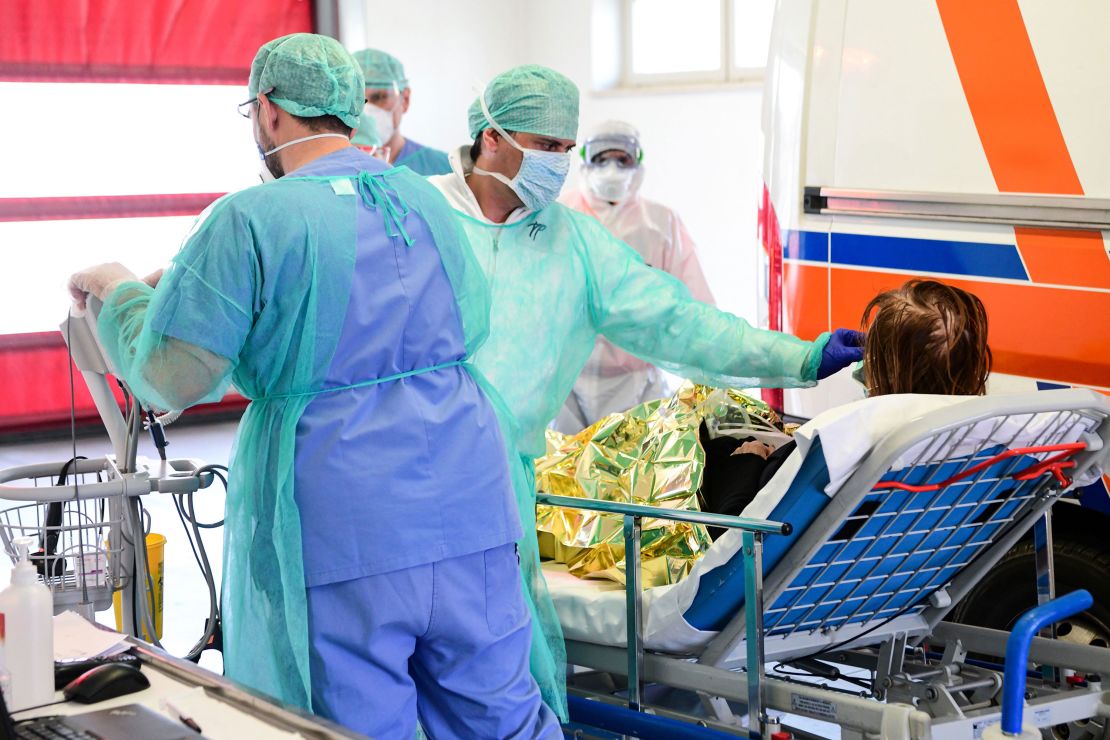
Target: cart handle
x,y
178,476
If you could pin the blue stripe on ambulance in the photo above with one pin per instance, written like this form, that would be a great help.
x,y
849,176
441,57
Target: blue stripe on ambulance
x,y
971,259
809,246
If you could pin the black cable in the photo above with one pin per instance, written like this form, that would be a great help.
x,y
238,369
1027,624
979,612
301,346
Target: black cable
x,y
185,526
157,433
38,706
135,625
861,682
842,643
826,687
126,397
214,469
209,576
869,630
198,648
45,560
154,640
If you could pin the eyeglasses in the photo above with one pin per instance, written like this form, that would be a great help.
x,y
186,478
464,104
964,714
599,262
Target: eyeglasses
x,y
244,108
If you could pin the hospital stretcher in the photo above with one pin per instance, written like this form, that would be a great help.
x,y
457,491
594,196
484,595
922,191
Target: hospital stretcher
x,y
843,569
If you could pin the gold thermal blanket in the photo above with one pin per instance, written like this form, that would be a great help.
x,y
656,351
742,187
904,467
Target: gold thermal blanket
x,y
650,455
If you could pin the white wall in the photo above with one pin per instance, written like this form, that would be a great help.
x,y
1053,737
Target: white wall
x,y
448,47
703,148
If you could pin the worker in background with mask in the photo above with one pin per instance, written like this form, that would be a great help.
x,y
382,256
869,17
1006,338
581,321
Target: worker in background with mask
x,y
387,101
612,172
343,300
559,280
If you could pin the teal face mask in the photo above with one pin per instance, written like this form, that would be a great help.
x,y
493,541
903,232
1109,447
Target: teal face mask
x,y
858,376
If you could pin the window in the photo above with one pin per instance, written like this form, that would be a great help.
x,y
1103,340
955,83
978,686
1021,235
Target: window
x,y
694,41
122,126
115,144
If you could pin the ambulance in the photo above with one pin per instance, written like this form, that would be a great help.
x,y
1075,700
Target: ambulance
x,y
967,142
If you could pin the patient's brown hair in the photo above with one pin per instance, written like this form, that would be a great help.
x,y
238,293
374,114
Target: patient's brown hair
x,y
926,337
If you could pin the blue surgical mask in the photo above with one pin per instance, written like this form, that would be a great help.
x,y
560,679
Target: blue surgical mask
x,y
541,175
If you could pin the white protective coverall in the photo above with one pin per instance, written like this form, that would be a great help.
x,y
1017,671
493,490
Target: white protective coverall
x,y
614,380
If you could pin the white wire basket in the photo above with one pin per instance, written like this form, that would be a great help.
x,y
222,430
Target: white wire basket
x,y
75,528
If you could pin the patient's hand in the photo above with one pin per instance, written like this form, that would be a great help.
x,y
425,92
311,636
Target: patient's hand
x,y
754,447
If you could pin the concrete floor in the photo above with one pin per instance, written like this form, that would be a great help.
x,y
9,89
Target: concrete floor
x,y
185,595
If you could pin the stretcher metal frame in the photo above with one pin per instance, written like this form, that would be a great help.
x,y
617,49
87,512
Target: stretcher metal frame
x,y
752,533
937,696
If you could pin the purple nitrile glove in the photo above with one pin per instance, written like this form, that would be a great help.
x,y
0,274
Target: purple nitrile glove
x,y
844,347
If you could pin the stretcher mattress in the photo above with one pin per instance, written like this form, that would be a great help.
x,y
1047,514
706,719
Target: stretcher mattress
x,y
906,543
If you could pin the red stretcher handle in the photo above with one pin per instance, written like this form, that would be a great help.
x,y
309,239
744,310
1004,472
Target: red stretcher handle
x,y
1054,465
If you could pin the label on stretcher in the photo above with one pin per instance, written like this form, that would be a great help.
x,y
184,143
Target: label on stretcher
x,y
1042,717
808,705
978,726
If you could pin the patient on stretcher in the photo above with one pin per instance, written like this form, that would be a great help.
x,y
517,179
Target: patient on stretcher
x,y
925,337
714,449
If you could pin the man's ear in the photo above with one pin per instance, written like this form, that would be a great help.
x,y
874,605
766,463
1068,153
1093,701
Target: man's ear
x,y
405,95
491,141
268,113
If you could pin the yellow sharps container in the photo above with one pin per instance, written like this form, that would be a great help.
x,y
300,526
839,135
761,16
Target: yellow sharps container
x,y
156,562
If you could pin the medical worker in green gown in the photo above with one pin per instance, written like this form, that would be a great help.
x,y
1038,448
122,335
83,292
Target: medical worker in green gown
x,y
370,562
388,96
559,280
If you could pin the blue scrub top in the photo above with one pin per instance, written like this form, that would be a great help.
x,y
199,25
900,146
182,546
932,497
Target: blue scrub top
x,y
423,160
408,472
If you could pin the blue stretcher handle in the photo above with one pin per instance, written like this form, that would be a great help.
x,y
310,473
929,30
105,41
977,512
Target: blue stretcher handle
x,y
1017,651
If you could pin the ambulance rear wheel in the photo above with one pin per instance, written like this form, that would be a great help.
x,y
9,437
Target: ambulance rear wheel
x,y
1008,590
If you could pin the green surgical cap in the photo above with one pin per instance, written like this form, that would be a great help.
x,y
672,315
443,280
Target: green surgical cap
x,y
310,76
530,99
381,69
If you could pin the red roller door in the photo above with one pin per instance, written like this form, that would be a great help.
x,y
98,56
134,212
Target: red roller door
x,y
171,42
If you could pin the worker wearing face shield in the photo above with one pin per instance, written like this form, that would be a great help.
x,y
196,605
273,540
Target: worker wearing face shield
x,y
342,298
612,172
559,280
387,101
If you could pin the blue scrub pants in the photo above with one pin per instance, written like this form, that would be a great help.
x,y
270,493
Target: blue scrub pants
x,y
448,641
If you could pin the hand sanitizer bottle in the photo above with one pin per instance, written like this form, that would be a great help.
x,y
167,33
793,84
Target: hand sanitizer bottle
x,y
28,611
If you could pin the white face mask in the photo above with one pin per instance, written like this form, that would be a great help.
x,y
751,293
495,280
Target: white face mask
x,y
265,174
541,175
383,120
611,182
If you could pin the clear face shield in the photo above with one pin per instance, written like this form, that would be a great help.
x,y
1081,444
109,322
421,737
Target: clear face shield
x,y
612,167
380,119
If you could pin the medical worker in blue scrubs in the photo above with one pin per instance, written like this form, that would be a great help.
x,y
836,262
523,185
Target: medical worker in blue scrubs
x,y
387,101
370,571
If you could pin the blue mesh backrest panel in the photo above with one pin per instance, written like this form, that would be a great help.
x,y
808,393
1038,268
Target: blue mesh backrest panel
x,y
721,591
898,547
